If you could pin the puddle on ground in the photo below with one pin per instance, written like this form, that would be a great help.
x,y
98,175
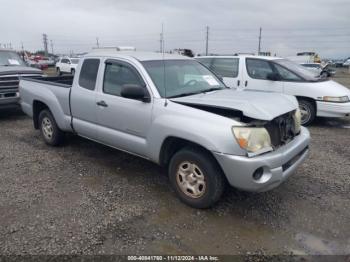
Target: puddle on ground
x,y
318,246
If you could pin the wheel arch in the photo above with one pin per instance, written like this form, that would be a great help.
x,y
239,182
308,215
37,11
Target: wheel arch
x,y
38,106
312,100
173,144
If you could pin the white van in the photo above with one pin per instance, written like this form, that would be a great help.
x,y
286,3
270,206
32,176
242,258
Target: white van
x,y
318,97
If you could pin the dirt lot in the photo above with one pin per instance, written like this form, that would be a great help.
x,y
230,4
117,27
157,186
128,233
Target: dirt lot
x,y
90,199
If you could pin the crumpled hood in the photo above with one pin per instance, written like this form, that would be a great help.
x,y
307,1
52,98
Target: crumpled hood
x,y
253,104
14,70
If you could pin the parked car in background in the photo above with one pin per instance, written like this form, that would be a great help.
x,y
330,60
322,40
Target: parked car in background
x,y
185,52
173,111
329,70
12,67
67,65
318,97
347,63
315,68
320,70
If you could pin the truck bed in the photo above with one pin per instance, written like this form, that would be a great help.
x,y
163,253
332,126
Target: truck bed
x,y
52,91
64,81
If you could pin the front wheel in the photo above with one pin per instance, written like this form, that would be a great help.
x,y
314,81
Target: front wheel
x,y
58,71
308,112
49,130
196,177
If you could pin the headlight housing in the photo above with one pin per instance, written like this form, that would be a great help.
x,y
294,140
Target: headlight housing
x,y
336,99
297,121
253,139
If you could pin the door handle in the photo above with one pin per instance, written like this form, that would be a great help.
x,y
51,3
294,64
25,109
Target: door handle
x,y
102,103
238,82
245,83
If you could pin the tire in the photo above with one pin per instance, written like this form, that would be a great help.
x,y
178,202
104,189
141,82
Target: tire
x,y
72,71
308,112
50,132
58,71
201,167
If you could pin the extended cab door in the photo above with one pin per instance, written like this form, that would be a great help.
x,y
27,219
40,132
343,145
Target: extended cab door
x,y
257,74
123,123
83,99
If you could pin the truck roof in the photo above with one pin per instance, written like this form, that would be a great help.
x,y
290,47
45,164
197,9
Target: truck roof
x,y
233,56
138,55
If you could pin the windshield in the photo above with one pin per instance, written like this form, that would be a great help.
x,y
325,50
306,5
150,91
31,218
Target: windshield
x,y
182,77
298,69
74,61
10,58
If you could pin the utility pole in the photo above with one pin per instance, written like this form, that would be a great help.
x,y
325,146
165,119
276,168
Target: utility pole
x,y
51,46
259,48
97,43
161,40
45,45
206,41
160,44
22,50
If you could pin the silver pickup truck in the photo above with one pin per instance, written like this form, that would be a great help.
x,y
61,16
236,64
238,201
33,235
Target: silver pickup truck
x,y
11,68
173,111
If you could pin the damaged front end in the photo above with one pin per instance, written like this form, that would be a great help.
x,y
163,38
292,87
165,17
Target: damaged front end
x,y
268,135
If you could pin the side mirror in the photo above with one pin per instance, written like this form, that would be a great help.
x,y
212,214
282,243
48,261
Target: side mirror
x,y
68,63
135,92
273,77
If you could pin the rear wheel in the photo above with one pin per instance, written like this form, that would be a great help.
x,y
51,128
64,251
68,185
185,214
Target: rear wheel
x,y
49,130
196,177
308,112
58,71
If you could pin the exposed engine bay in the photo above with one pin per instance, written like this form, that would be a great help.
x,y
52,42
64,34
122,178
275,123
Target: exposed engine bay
x,y
282,129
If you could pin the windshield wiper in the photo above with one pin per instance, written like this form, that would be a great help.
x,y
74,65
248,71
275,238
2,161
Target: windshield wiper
x,y
185,94
196,93
211,89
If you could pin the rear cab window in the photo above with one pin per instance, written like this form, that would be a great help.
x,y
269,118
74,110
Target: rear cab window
x,y
88,73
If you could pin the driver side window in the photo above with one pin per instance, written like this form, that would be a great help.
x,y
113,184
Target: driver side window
x,y
118,74
258,69
286,74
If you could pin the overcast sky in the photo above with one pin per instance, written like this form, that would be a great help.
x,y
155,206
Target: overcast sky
x,y
287,26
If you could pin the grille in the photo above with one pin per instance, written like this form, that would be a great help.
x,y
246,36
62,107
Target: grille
x,y
282,129
10,83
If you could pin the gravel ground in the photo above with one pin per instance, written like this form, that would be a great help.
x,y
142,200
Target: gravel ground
x,y
84,198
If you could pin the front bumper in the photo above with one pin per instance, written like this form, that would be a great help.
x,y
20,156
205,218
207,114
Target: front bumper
x,y
277,165
9,99
329,109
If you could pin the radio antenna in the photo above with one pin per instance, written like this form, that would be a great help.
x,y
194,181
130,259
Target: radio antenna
x,y
163,54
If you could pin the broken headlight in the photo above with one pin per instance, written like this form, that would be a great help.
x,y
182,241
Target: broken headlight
x,y
253,139
297,121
